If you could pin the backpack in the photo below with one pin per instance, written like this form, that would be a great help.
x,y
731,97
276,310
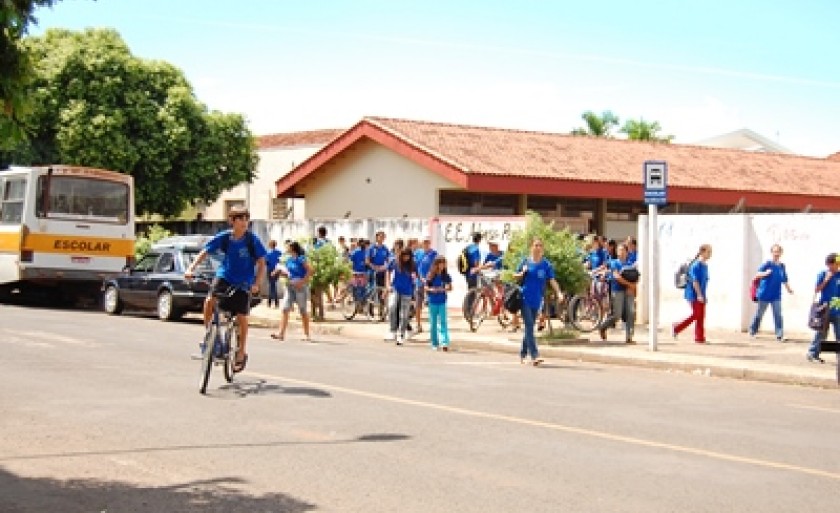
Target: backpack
x,y
513,298
754,289
249,241
464,261
681,276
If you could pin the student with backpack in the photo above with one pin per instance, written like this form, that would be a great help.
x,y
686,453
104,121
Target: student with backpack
x,y
771,275
826,290
697,278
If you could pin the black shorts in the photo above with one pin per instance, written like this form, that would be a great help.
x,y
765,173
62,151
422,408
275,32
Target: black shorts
x,y
379,277
238,303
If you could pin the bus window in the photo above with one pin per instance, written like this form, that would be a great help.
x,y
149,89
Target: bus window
x,y
11,200
85,198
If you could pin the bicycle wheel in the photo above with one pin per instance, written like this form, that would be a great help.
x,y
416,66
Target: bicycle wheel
x,y
232,342
586,313
504,317
349,307
479,312
207,357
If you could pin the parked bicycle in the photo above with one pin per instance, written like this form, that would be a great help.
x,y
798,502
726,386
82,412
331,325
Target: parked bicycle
x,y
485,300
364,297
221,341
588,310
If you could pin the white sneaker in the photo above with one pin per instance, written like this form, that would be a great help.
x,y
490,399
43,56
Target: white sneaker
x,y
390,337
400,340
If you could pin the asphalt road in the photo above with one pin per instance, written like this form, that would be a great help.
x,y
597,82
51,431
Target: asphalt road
x,y
103,414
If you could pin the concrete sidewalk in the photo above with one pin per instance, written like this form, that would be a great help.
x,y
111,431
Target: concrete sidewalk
x,y
727,354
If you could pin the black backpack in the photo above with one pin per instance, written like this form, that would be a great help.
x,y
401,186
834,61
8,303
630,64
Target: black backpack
x,y
249,240
681,276
513,298
464,261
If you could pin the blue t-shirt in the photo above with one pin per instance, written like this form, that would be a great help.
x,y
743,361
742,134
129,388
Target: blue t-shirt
x,y
698,271
319,242
272,258
473,255
770,287
632,256
296,267
401,282
597,258
496,259
440,280
616,265
237,267
357,258
533,286
424,261
378,255
831,290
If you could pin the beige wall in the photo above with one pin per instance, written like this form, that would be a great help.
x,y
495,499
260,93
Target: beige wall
x,y
273,164
371,181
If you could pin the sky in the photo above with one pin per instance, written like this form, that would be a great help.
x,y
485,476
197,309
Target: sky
x,y
699,68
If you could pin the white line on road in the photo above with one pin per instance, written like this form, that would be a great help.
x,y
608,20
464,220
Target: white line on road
x,y
815,408
563,428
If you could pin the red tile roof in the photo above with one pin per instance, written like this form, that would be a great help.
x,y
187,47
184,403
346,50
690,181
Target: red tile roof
x,y
515,161
834,156
308,138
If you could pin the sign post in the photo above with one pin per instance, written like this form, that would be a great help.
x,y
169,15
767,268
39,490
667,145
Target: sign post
x,y
655,182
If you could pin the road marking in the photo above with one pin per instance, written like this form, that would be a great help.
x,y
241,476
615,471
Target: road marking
x,y
41,336
562,428
815,408
482,364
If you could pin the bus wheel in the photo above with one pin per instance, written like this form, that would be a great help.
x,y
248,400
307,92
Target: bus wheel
x,y
113,305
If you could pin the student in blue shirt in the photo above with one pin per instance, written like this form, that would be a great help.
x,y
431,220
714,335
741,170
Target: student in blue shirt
x,y
828,288
272,258
236,270
299,272
400,284
437,283
695,294
424,257
473,261
773,275
623,297
494,258
535,272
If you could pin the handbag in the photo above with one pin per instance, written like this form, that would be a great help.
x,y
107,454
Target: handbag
x,y
818,315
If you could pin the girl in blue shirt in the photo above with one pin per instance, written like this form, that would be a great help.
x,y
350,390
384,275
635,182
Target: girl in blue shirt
x,y
535,272
400,283
695,294
299,272
438,283
772,275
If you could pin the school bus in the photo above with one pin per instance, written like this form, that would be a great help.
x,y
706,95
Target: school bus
x,y
64,227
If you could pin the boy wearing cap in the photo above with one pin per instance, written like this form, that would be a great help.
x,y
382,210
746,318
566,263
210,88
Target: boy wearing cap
x,y
828,287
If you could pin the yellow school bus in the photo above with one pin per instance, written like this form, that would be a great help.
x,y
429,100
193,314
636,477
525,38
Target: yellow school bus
x,y
61,226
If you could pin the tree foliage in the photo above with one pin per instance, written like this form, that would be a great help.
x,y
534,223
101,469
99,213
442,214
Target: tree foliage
x,y
561,250
96,104
143,243
597,125
16,72
641,130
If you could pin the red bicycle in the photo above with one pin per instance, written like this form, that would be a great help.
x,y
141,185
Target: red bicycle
x,y
485,300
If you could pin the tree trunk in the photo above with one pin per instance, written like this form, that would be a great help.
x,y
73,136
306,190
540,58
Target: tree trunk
x,y
316,299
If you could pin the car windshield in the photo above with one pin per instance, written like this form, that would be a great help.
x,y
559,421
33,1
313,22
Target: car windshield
x,y
208,266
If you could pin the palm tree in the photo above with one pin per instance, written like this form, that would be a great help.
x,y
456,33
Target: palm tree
x,y
597,126
641,130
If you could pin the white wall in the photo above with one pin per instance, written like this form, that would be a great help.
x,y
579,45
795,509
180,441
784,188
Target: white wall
x,y
740,243
371,181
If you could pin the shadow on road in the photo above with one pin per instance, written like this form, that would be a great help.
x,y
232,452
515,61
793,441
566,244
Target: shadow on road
x,y
24,495
245,388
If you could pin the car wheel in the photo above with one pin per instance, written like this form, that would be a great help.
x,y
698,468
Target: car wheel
x,y
113,305
166,307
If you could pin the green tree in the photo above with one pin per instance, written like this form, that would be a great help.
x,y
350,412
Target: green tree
x,y
561,250
96,104
597,125
641,130
16,72
143,243
329,268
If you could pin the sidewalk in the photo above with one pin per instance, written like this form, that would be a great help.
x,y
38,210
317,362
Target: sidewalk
x,y
729,354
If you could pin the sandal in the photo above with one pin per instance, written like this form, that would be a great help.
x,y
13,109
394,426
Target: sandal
x,y
537,362
275,336
239,365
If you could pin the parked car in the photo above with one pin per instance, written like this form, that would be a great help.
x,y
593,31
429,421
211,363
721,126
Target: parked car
x,y
156,282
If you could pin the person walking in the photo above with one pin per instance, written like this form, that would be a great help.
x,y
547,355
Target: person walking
x,y
272,258
437,284
299,272
400,288
695,294
534,272
425,258
623,297
773,275
828,288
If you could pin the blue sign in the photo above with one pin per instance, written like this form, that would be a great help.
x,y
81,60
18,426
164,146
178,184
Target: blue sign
x,y
655,182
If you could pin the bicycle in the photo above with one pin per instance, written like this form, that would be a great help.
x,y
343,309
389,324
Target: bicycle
x,y
221,341
364,297
485,300
587,310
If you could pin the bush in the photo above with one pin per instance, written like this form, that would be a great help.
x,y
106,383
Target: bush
x,y
561,250
143,242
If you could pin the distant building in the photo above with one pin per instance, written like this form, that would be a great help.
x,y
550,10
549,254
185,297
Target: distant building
x,y
744,139
278,154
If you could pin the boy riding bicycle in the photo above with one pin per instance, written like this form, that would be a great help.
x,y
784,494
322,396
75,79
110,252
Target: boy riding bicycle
x,y
242,251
